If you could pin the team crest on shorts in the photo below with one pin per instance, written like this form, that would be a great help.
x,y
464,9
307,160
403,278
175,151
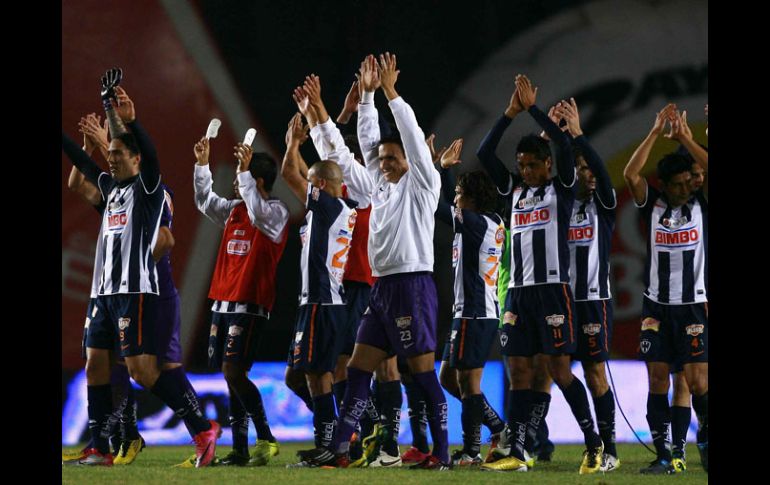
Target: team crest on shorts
x,y
211,351
403,322
509,318
592,329
235,330
650,324
503,339
695,329
123,323
645,345
554,320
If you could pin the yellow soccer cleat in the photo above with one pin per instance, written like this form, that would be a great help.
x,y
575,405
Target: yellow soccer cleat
x,y
128,451
592,460
188,463
263,451
509,464
679,465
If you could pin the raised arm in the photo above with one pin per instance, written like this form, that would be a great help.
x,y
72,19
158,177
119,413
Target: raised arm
x,y
268,218
486,151
290,167
94,134
368,121
563,159
81,160
351,103
604,190
632,173
327,135
416,150
216,208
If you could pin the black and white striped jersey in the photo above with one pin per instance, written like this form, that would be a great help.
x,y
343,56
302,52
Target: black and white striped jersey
x,y
677,249
590,239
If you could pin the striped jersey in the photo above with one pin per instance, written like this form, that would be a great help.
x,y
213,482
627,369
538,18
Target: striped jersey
x,y
590,239
130,224
325,238
540,218
476,253
677,249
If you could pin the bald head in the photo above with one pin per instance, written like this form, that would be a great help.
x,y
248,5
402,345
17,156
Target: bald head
x,y
327,175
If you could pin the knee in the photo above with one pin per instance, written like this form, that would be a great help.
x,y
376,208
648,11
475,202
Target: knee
x,y
596,380
294,380
143,376
659,382
448,378
699,384
96,373
233,374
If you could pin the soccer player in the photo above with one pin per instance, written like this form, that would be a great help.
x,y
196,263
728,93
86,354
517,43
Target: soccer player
x,y
476,252
320,329
330,144
674,310
538,312
590,240
243,286
127,301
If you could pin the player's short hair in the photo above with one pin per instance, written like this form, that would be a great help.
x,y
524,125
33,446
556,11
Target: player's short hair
x,y
479,187
129,140
393,139
263,166
671,165
535,146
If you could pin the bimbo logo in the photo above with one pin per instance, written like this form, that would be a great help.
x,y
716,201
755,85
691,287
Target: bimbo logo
x,y
115,221
238,247
678,238
539,216
581,233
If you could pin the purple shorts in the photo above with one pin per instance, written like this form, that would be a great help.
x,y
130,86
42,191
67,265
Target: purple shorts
x,y
167,330
402,314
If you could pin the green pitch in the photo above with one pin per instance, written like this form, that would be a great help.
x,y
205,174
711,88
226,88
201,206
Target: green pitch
x,y
154,466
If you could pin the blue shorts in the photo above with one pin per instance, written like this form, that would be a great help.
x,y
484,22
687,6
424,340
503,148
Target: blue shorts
x,y
538,319
357,296
402,313
132,317
318,337
675,334
593,319
234,337
470,341
102,334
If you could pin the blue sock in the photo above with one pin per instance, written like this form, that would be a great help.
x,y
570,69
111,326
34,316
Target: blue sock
x,y
577,398
324,418
605,419
659,419
338,389
418,417
99,410
391,399
171,389
239,423
437,412
490,417
353,406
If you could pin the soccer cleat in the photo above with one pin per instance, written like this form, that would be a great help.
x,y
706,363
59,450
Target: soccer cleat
x,y
494,441
384,460
431,463
206,444
510,463
592,460
262,452
94,458
658,467
234,459
72,458
413,455
188,463
703,449
128,451
529,460
679,464
321,457
501,448
544,451
462,459
373,443
609,463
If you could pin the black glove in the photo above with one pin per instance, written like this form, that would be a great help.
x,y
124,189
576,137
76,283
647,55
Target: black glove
x,y
110,79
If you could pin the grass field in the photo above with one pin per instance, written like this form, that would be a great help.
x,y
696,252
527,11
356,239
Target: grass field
x,y
153,466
